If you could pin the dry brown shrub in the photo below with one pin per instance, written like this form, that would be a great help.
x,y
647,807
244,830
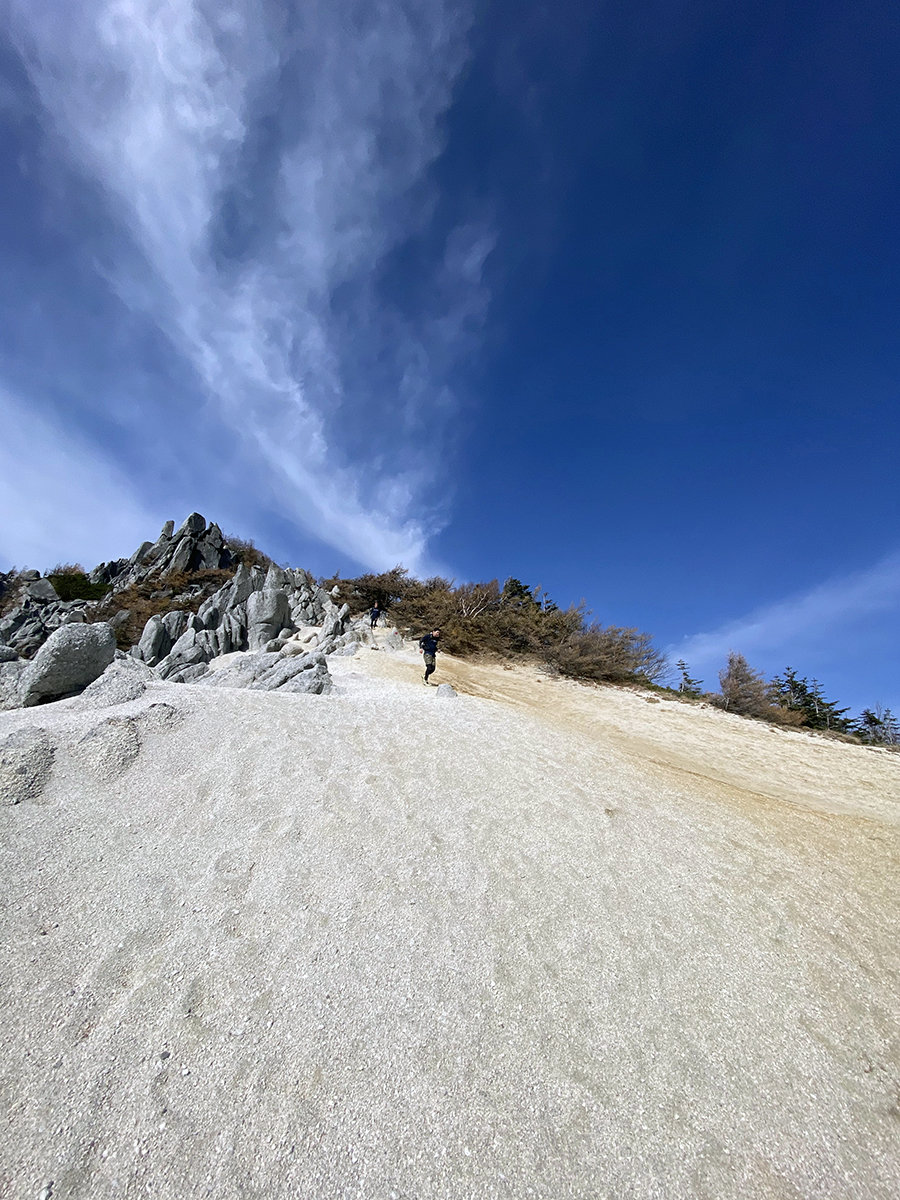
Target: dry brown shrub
x,y
509,622
142,601
608,654
245,551
789,718
10,582
66,569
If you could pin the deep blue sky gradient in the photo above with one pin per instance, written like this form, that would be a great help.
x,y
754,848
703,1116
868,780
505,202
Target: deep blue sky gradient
x,y
628,331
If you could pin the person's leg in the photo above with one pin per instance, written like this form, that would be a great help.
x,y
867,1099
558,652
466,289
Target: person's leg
x,y
429,665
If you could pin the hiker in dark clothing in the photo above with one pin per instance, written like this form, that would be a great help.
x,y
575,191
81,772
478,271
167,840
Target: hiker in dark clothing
x,y
429,646
374,615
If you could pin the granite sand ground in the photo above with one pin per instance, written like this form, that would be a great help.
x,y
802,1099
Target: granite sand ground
x,y
536,940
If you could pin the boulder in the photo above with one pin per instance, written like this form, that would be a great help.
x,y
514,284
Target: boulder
x,y
189,674
42,590
26,757
71,658
193,526
181,559
268,612
242,672
123,680
175,623
140,553
291,674
445,690
155,643
7,654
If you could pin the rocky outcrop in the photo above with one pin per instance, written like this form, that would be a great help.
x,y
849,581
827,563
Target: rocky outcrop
x,y
275,610
25,629
271,671
194,546
69,660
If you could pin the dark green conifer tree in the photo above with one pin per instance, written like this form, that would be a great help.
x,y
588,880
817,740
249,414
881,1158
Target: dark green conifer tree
x,y
686,685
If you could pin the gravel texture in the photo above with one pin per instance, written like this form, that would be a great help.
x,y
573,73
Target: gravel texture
x,y
374,944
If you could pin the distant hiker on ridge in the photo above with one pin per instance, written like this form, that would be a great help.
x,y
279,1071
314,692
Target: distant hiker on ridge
x,y
429,645
374,615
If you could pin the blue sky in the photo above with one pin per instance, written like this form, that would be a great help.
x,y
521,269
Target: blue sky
x,y
602,296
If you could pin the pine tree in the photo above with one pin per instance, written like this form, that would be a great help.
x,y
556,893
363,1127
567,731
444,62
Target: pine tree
x,y
869,726
825,714
791,692
788,691
686,685
891,728
878,727
517,594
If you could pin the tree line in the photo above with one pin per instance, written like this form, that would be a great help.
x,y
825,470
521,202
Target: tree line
x,y
517,620
791,700
510,620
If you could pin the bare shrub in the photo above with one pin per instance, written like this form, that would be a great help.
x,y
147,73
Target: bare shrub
x,y
609,654
744,690
510,622
244,552
10,582
364,592
66,569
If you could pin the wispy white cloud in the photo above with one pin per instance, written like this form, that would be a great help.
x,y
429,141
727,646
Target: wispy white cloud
x,y
69,502
800,621
156,101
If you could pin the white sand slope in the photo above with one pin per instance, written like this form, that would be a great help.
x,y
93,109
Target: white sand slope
x,y
538,940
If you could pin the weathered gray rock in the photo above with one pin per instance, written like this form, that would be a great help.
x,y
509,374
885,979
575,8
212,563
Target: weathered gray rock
x,y
109,749
193,526
268,612
141,553
181,557
445,690
71,658
254,609
26,756
175,623
188,674
242,672
123,680
23,629
291,674
188,650
155,642
10,673
7,654
42,590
